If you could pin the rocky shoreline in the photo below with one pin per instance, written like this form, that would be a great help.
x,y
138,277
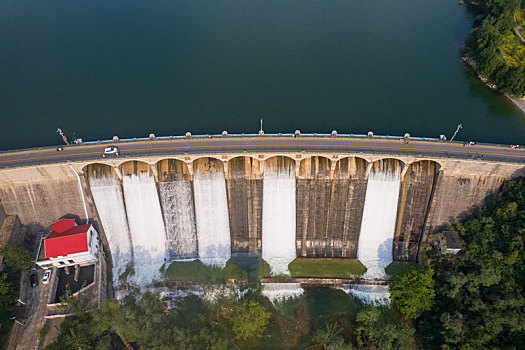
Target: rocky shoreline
x,y
469,61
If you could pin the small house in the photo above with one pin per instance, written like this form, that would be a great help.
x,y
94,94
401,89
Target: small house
x,y
69,244
449,242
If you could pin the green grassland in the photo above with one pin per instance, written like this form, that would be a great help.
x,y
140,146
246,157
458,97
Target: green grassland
x,y
253,268
320,267
241,269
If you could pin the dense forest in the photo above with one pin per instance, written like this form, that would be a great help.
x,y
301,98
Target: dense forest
x,y
15,260
479,293
497,50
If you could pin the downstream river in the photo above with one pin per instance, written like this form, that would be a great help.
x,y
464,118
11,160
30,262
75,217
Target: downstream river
x,y
131,67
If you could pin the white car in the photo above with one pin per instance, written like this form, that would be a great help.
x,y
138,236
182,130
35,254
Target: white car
x,y
110,150
47,277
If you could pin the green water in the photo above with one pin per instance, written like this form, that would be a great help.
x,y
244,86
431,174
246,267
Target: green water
x,y
128,68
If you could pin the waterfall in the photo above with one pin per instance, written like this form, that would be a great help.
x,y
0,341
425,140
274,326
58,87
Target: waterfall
x,y
146,226
179,216
278,218
369,294
110,207
211,212
379,219
280,291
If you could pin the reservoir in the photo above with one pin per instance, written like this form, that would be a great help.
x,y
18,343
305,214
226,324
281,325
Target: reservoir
x,y
134,67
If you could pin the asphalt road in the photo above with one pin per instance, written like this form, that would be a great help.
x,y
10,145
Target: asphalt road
x,y
265,144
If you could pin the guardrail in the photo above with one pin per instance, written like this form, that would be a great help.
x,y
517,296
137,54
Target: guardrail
x,y
244,135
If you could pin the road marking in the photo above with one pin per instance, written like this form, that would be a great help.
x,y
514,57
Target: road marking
x,y
333,146
269,145
54,156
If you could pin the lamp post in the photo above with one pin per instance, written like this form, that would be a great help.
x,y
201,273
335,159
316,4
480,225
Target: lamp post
x,y
261,131
455,133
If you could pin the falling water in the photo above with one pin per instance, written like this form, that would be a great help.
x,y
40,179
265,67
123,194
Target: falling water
x,y
146,226
280,291
177,206
369,294
278,222
379,219
211,211
110,208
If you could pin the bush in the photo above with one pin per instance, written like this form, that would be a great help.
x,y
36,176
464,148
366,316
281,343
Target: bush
x,y
249,320
16,257
412,290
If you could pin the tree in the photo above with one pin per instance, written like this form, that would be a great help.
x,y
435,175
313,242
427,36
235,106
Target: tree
x,y
376,330
16,257
249,320
366,320
412,290
330,338
77,305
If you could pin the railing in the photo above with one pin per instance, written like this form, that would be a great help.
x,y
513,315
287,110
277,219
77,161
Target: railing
x,y
244,135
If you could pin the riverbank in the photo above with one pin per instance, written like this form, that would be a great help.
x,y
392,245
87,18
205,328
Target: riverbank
x,y
518,102
471,64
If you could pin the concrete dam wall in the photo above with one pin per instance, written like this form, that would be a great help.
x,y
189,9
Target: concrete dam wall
x,y
155,210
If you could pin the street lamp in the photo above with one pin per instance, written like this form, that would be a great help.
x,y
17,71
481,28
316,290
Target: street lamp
x,y
455,133
261,131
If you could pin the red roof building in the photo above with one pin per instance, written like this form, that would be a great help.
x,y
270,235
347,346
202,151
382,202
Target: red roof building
x,y
69,244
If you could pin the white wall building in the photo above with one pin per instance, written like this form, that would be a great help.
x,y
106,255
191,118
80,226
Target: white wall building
x,y
69,244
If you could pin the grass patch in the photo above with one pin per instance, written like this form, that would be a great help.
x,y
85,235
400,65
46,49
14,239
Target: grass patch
x,y
320,267
255,267
196,270
239,268
397,266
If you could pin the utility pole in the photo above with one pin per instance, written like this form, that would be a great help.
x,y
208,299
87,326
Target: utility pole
x,y
455,133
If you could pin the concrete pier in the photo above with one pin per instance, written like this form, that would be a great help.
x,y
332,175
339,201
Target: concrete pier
x,y
244,187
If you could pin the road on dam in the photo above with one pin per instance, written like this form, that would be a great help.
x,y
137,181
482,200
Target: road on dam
x,y
218,145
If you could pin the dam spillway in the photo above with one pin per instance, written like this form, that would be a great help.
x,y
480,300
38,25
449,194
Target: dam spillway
x,y
379,217
278,208
278,215
329,207
107,195
245,193
414,201
176,196
145,220
211,212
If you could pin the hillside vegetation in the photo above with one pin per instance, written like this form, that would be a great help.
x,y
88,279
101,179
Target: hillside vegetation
x,y
497,50
479,293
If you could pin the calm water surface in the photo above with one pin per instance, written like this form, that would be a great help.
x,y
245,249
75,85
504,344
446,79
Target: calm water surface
x,y
129,67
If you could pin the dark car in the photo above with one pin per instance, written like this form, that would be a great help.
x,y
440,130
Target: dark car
x,y
33,280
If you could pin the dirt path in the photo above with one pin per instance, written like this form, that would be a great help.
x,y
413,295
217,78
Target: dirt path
x,y
518,34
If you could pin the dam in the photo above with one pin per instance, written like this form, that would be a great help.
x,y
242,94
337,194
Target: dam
x,y
277,205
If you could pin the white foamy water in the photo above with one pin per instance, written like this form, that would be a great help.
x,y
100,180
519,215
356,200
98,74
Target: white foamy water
x,y
280,291
369,294
179,217
110,207
378,224
211,212
278,219
146,226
